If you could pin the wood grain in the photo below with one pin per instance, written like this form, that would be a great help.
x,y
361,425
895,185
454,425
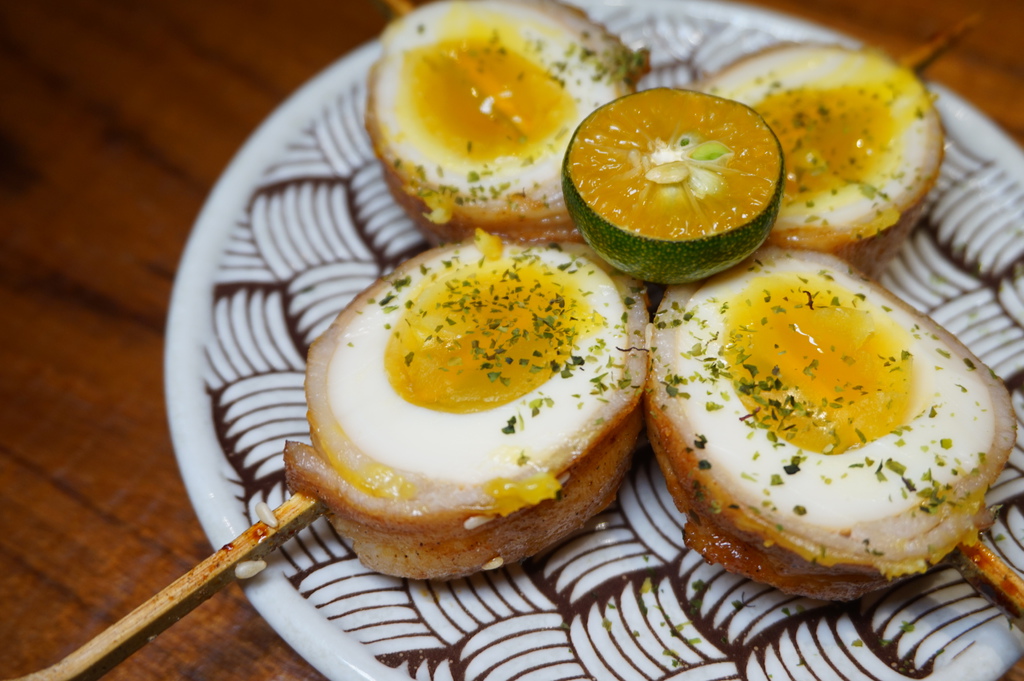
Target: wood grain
x,y
117,117
240,559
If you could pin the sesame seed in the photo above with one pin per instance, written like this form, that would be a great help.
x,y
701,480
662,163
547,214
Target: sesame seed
x,y
476,521
249,568
266,514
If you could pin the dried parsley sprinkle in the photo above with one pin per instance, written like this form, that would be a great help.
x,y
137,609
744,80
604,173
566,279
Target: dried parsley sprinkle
x,y
895,466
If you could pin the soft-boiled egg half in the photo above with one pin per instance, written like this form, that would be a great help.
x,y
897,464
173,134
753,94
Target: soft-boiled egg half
x,y
821,435
862,141
476,405
471,106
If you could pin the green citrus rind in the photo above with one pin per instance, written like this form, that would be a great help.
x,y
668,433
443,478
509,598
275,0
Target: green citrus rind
x,y
668,261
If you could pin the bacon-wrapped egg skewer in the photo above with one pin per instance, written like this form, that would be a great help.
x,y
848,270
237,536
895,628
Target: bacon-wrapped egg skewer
x,y
471,105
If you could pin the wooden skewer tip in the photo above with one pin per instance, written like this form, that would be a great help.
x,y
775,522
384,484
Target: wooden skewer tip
x,y
393,9
241,558
922,57
992,578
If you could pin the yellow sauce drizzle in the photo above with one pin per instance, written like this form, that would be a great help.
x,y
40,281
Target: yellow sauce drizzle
x,y
511,495
373,478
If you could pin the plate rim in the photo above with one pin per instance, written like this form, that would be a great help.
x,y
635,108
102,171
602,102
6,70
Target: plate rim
x,y
200,459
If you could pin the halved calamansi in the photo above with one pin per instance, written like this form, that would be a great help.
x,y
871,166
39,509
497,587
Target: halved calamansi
x,y
673,185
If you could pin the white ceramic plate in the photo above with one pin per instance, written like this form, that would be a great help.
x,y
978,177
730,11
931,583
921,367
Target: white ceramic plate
x,y
301,221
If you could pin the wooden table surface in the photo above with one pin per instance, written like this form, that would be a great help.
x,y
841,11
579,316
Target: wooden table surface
x,y
116,119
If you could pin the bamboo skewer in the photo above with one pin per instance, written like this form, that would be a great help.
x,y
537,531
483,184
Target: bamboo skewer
x,y
922,57
992,578
982,569
393,8
977,564
241,558
142,625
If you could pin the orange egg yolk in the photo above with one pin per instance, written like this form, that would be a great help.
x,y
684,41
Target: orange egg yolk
x,y
485,335
816,364
479,101
830,138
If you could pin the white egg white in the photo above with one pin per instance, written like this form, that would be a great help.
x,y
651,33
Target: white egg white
x,y
368,421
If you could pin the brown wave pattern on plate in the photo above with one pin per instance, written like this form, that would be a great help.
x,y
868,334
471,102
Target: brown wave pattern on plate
x,y
623,598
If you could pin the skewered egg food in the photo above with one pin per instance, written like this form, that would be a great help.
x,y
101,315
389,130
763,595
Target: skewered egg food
x,y
471,106
820,435
862,140
476,405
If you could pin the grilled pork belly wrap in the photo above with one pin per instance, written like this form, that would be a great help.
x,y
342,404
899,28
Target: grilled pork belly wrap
x,y
819,434
474,406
